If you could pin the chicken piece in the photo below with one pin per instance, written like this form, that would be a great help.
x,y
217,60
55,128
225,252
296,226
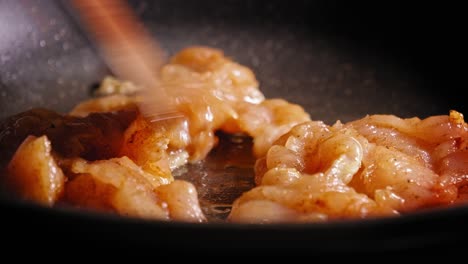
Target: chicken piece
x,y
33,173
182,201
410,158
307,171
215,88
233,82
378,165
269,120
150,147
403,175
120,186
115,185
148,150
266,212
299,197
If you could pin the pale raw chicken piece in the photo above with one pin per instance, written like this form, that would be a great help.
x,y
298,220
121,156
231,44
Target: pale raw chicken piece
x,y
307,170
119,185
114,185
215,88
432,130
411,158
449,136
306,198
313,147
33,173
454,175
182,201
266,211
403,175
233,82
378,165
269,120
387,136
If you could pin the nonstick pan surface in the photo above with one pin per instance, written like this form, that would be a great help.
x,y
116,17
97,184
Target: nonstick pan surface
x,y
340,60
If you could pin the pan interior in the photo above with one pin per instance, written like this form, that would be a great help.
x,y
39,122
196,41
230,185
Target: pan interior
x,y
338,61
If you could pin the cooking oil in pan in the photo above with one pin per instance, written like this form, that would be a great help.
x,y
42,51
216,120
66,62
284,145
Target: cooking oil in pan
x,y
223,176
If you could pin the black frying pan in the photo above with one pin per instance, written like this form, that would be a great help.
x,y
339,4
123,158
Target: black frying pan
x,y
339,60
